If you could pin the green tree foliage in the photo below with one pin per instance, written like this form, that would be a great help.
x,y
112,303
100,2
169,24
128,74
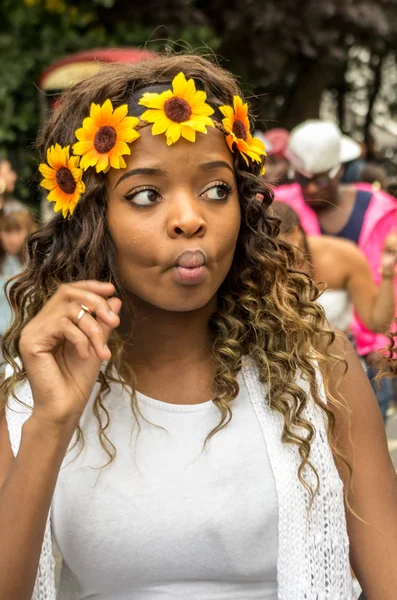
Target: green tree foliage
x,y
34,33
291,51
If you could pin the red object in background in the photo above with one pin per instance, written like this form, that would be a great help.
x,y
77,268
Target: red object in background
x,y
72,69
75,67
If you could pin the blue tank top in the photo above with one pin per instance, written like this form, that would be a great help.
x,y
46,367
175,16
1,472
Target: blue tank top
x,y
351,231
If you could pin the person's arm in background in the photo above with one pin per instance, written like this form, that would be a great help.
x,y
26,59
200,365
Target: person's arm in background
x,y
375,306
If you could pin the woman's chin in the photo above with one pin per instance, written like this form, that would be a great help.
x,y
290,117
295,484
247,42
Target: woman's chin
x,y
186,299
180,305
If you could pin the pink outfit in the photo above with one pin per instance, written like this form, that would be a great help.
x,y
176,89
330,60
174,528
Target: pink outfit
x,y
380,218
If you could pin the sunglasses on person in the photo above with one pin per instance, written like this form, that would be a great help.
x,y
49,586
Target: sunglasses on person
x,y
321,181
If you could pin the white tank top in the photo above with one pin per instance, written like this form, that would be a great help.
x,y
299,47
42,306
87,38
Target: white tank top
x,y
167,520
338,308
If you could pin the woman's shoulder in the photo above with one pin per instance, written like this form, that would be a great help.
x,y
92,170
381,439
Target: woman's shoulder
x,y
344,255
336,244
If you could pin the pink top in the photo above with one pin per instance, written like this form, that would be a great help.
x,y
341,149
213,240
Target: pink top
x,y
379,219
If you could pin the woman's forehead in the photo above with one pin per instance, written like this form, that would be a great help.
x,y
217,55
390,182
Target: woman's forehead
x,y
151,151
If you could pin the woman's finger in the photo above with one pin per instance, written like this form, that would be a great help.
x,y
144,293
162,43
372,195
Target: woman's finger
x,y
104,288
77,338
115,304
80,310
98,305
93,330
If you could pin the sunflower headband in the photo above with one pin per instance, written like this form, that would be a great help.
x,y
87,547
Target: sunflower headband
x,y
104,137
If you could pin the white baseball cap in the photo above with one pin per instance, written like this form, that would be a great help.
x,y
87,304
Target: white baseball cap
x,y
318,147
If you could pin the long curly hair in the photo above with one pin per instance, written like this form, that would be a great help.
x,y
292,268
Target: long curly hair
x,y
266,308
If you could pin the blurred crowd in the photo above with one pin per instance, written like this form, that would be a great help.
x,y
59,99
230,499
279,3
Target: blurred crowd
x,y
333,197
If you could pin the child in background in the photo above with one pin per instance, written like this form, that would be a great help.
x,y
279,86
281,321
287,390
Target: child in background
x,y
16,224
8,178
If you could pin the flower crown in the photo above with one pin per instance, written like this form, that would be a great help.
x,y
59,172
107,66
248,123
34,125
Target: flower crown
x,y
104,137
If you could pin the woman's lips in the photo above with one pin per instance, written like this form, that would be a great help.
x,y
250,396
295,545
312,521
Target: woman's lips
x,y
190,276
190,269
191,259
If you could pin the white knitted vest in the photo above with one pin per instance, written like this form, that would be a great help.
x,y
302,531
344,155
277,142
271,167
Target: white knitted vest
x,y
313,557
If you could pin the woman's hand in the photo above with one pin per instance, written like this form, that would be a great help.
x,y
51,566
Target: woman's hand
x,y
389,255
62,354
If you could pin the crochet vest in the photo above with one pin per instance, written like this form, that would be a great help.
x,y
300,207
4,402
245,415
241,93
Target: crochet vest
x,y
313,555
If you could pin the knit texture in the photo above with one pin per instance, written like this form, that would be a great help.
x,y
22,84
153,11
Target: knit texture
x,y
313,558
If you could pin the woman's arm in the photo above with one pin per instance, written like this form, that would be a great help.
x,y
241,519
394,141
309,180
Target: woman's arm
x,y
62,349
375,306
373,544
26,488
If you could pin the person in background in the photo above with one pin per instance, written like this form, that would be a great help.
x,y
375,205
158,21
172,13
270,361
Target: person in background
x,y
343,268
8,179
16,224
375,175
352,171
317,151
277,165
360,171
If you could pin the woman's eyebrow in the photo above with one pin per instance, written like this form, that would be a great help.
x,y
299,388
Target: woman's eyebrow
x,y
141,171
215,164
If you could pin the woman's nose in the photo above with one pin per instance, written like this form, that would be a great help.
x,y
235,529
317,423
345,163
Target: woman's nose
x,y
312,187
186,218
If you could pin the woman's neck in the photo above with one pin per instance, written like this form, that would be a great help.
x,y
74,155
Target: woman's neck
x,y
161,337
171,354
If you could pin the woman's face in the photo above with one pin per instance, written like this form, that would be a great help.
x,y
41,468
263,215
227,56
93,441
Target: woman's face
x,y
174,216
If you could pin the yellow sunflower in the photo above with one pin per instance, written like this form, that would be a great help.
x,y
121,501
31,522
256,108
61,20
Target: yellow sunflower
x,y
179,112
63,178
104,137
236,125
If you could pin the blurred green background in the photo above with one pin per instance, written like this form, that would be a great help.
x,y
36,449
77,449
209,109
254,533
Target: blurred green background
x,y
301,59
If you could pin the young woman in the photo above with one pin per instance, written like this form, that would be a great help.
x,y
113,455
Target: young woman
x,y
167,355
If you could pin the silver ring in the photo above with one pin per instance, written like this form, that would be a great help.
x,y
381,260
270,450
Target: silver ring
x,y
84,310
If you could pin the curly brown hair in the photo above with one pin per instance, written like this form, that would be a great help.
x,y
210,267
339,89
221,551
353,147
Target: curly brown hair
x,y
266,309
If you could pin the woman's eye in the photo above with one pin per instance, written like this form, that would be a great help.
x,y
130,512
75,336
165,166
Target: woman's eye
x,y
218,192
143,197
